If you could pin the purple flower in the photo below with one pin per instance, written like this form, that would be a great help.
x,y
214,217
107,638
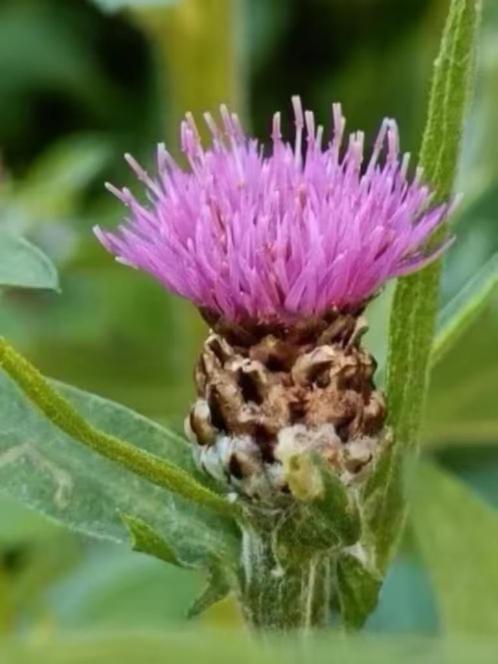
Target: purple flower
x,y
281,236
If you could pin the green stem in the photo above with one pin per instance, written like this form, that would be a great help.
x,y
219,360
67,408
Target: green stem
x,y
60,412
281,591
415,302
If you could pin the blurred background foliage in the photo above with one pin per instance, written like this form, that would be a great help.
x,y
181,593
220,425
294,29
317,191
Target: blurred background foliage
x,y
83,82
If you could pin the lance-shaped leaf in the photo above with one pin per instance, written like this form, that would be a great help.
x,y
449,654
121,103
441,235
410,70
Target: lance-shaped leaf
x,y
458,537
59,410
464,309
22,265
415,300
333,509
358,590
46,468
146,540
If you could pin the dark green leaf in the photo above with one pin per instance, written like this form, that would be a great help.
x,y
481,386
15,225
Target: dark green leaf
x,y
45,468
358,590
327,516
144,539
333,510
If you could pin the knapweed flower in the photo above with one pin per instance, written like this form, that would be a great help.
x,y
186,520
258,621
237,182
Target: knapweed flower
x,y
281,251
280,236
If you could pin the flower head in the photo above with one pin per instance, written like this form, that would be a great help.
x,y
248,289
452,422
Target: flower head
x,y
281,236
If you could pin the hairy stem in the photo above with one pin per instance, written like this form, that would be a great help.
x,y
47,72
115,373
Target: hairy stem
x,y
282,592
415,302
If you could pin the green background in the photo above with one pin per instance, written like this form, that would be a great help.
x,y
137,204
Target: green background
x,y
80,84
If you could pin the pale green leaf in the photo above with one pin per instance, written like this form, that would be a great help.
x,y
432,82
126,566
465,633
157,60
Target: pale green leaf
x,y
465,308
45,468
414,305
458,537
23,265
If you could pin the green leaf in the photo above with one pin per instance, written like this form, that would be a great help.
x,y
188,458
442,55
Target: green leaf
x,y
465,308
45,468
146,540
23,265
414,305
327,517
458,537
358,590
217,588
333,511
59,410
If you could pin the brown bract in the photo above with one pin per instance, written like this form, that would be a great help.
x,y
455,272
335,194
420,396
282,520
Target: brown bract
x,y
256,381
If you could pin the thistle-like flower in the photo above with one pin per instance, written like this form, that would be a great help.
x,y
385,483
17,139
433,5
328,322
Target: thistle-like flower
x,y
281,252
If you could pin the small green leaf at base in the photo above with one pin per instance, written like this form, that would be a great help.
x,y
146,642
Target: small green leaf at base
x,y
217,588
327,517
358,590
334,507
144,539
